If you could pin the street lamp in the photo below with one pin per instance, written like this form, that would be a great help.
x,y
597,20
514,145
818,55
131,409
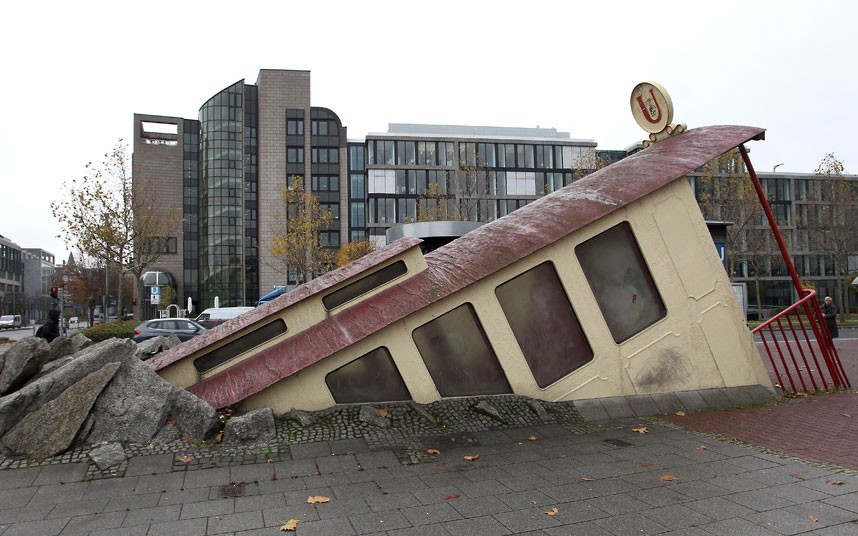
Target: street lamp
x,y
776,167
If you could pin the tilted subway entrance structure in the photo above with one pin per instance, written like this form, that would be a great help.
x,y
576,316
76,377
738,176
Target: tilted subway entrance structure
x,y
608,287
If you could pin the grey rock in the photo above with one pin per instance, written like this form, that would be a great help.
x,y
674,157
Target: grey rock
x,y
107,455
155,345
423,413
166,435
194,417
52,428
489,410
30,398
256,427
369,414
133,407
67,346
304,417
21,362
539,408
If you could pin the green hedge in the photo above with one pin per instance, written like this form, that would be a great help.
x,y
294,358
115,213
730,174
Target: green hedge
x,y
120,330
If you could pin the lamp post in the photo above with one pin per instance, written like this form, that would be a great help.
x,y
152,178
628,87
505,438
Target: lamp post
x,y
776,167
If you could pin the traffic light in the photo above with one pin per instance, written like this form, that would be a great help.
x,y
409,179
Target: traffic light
x,y
133,301
54,291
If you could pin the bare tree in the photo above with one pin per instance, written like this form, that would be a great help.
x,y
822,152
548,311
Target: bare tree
x,y
726,193
111,217
833,223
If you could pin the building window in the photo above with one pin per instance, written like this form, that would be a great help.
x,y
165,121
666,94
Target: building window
x,y
295,155
295,127
458,356
621,281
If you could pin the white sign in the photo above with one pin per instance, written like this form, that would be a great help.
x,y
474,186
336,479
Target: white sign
x,y
156,295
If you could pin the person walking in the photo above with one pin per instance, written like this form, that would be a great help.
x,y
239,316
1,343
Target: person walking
x,y
50,330
829,311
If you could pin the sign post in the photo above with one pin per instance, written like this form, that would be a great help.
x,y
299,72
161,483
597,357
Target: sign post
x,y
156,295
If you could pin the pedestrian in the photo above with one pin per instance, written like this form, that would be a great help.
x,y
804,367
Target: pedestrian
x,y
50,330
829,311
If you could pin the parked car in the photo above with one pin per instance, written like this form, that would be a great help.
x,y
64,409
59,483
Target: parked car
x,y
278,291
183,328
10,321
218,315
74,322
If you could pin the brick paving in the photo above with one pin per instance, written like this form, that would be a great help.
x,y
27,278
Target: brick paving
x,y
821,428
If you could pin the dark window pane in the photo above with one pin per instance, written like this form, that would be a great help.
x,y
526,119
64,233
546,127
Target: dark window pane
x,y
544,324
240,345
365,284
372,377
458,355
621,281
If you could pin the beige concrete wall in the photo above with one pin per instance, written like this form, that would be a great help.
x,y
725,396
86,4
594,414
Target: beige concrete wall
x,y
702,342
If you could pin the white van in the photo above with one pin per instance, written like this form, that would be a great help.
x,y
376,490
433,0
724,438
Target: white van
x,y
10,321
218,315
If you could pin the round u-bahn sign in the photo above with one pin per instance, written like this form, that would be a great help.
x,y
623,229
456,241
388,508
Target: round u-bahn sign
x,y
651,107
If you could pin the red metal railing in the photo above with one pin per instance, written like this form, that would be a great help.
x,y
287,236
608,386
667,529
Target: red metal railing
x,y
799,356
800,349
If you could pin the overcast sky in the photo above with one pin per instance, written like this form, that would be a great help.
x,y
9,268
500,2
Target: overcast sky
x,y
74,73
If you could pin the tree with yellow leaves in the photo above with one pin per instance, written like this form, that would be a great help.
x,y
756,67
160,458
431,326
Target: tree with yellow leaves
x,y
296,240
353,251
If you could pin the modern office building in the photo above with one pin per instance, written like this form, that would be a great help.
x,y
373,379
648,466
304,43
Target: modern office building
x,y
225,170
224,173
39,269
11,277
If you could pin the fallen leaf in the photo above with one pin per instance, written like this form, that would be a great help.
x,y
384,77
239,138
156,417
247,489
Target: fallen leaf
x,y
532,438
440,464
171,421
471,458
586,479
451,496
645,464
382,412
641,430
533,502
846,415
219,437
834,482
316,499
668,478
798,474
702,447
680,413
290,525
813,518
553,512
433,451
185,459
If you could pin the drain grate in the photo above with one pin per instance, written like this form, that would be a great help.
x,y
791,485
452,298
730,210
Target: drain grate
x,y
233,489
617,443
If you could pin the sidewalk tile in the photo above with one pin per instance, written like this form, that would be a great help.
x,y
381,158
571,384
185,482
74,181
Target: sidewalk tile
x,y
148,465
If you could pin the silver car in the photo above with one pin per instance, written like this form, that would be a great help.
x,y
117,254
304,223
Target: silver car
x,y
183,328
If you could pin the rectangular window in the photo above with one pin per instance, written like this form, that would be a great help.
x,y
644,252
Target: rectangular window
x,y
295,155
295,127
544,324
621,281
357,186
364,285
458,355
373,377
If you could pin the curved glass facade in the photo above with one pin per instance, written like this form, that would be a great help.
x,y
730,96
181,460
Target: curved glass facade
x,y
222,199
